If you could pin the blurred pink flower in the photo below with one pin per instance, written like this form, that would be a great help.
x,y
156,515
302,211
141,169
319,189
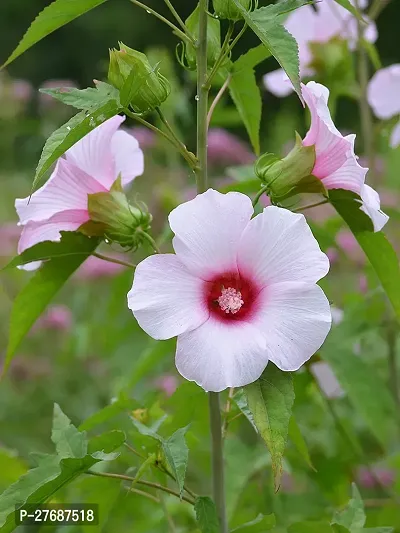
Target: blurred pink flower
x,y
56,317
348,243
145,137
22,90
94,268
332,254
92,165
167,383
319,25
336,164
363,283
9,235
373,477
384,97
227,149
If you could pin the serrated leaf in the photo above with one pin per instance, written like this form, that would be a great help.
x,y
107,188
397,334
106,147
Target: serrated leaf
x,y
50,19
206,515
297,439
241,401
270,400
72,132
177,454
39,484
266,22
376,247
70,244
259,525
84,99
246,96
353,515
39,291
68,440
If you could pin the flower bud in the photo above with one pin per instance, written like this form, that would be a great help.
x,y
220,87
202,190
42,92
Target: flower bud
x,y
226,9
291,175
141,85
213,39
114,219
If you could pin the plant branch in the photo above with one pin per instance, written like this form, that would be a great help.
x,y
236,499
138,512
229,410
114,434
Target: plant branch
x,y
377,7
222,55
179,143
310,206
178,19
217,459
151,11
113,260
259,194
123,477
217,99
145,494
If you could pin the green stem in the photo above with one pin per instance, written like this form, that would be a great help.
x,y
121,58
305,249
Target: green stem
x,y
179,143
367,125
260,193
177,18
222,55
150,240
113,260
217,460
151,11
217,99
309,206
188,156
150,484
202,99
376,9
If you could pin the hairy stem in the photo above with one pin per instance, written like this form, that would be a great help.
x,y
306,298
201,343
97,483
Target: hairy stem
x,y
217,460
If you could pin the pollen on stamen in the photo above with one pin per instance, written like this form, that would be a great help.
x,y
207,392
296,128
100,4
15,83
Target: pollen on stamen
x,y
230,300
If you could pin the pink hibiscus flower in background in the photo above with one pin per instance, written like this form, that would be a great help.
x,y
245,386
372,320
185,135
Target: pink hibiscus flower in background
x,y
336,164
319,25
227,149
92,165
238,293
384,97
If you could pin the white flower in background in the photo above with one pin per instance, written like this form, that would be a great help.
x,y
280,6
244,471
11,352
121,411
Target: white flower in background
x,y
307,25
384,97
238,293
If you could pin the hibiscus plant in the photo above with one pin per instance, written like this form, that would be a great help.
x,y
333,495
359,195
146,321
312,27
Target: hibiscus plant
x,y
234,276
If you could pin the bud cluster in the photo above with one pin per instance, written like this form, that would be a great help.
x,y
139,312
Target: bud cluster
x,y
227,9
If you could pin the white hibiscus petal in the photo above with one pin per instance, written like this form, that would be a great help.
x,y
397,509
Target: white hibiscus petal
x,y
371,205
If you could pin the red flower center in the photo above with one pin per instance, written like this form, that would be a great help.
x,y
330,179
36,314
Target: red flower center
x,y
230,296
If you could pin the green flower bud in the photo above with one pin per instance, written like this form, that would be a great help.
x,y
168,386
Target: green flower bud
x,y
226,9
291,175
114,219
141,85
213,39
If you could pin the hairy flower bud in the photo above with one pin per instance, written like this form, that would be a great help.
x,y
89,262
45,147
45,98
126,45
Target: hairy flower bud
x,y
113,218
141,85
290,175
226,9
213,39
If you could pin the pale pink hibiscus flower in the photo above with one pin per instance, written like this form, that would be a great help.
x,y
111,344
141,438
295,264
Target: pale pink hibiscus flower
x,y
384,97
336,164
238,293
307,25
91,166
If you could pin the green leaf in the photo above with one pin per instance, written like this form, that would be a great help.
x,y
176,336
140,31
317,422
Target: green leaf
x,y
72,132
298,440
241,401
71,243
50,19
69,441
39,291
177,454
121,405
310,527
353,515
270,400
246,96
174,448
266,23
39,484
378,529
206,515
358,379
252,58
85,99
376,247
259,525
